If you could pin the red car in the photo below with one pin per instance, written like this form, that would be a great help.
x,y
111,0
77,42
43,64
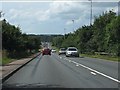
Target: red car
x,y
46,51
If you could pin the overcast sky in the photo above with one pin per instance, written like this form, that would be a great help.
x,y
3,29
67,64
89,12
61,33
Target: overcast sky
x,y
52,17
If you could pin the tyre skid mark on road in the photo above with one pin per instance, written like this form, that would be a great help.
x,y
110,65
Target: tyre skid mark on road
x,y
92,70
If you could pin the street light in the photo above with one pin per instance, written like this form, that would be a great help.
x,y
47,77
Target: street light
x,y
64,32
1,14
90,13
119,8
73,24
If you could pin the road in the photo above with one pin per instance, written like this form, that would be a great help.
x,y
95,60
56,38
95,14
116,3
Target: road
x,y
68,72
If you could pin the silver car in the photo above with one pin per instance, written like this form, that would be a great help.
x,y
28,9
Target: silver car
x,y
62,51
72,51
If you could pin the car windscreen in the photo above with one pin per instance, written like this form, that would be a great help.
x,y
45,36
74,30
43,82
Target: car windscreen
x,y
72,49
63,49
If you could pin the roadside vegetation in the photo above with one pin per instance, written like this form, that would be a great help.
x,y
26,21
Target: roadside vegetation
x,y
15,44
6,60
100,37
105,57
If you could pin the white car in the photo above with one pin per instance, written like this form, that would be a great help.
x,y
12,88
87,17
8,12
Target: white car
x,y
62,51
53,51
72,51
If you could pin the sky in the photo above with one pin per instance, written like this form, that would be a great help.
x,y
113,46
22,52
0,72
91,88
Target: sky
x,y
53,17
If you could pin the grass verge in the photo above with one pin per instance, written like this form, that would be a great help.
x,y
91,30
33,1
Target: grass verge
x,y
111,58
6,60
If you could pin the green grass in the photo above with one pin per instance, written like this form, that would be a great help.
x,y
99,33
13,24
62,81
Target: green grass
x,y
111,58
5,61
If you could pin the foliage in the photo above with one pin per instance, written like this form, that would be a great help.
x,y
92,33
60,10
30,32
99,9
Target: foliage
x,y
102,36
16,43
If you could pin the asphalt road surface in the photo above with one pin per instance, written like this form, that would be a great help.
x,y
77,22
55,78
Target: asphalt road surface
x,y
68,72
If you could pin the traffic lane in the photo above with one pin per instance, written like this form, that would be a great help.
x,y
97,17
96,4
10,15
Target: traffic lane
x,y
47,71
44,71
94,80
52,70
107,67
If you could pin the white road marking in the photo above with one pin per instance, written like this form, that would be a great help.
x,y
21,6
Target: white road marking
x,y
77,65
93,73
93,70
100,73
66,59
69,60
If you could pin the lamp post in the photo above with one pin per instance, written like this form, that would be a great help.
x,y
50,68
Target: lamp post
x,y
64,32
119,8
90,13
1,14
73,24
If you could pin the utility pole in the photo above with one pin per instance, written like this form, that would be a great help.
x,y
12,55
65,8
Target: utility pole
x,y
90,13
73,24
119,8
0,14
64,32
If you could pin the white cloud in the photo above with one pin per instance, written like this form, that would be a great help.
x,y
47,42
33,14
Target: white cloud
x,y
22,14
60,12
69,22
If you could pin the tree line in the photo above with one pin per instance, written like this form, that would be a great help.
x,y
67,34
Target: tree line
x,y
16,43
102,36
46,37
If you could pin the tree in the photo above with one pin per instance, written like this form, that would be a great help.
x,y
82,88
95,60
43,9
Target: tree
x,y
16,43
102,36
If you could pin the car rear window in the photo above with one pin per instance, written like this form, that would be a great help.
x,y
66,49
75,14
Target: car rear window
x,y
63,49
72,49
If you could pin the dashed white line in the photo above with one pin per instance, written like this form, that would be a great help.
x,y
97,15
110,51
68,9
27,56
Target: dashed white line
x,y
100,73
93,73
69,60
93,70
77,65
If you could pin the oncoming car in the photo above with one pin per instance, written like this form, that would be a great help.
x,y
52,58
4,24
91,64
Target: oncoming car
x,y
46,51
72,51
53,50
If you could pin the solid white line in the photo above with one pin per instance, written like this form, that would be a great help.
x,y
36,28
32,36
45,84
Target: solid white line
x,y
93,70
